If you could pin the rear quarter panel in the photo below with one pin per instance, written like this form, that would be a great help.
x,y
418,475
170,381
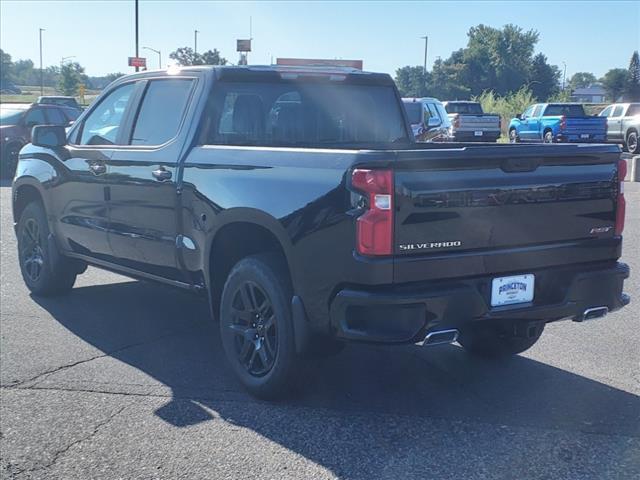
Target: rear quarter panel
x,y
299,195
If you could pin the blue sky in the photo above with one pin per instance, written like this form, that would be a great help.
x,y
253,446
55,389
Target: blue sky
x,y
588,35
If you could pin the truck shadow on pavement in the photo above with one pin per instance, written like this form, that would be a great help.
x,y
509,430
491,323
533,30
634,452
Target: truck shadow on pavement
x,y
167,335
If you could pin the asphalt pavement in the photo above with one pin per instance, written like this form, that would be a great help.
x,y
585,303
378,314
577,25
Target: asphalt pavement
x,y
126,379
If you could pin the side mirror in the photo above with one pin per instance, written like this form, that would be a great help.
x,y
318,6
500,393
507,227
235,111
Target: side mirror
x,y
49,136
519,116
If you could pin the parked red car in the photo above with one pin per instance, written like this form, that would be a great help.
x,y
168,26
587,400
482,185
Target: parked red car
x,y
16,122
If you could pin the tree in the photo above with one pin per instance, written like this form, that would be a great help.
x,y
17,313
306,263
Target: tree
x,y
185,56
5,66
543,78
212,57
632,91
71,75
615,82
582,80
411,81
496,59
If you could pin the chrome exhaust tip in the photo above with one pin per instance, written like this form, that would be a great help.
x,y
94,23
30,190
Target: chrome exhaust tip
x,y
592,314
440,337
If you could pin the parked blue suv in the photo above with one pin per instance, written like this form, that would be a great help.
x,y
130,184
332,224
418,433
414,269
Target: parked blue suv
x,y
557,122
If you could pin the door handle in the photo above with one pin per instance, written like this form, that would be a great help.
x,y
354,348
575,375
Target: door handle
x,y
98,168
161,174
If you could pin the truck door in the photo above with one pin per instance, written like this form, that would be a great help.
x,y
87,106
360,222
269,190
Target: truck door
x,y
535,123
614,123
524,130
143,180
81,201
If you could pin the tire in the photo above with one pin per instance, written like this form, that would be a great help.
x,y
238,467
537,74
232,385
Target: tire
x,y
256,325
548,137
9,160
44,270
492,342
631,143
513,136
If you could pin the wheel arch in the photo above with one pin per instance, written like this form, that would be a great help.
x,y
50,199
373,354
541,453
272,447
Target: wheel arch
x,y
25,191
244,233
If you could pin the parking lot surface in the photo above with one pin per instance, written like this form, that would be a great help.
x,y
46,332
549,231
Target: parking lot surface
x,y
126,379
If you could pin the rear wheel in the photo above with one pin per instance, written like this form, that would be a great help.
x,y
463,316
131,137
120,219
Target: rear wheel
x,y
632,143
495,342
256,325
44,270
548,137
513,136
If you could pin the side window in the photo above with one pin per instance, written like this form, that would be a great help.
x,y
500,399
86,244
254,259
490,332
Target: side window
x,y
537,111
606,111
102,125
34,117
433,112
163,107
56,117
633,110
527,112
618,111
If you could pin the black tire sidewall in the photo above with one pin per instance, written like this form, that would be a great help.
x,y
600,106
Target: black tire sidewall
x,y
637,148
264,271
56,277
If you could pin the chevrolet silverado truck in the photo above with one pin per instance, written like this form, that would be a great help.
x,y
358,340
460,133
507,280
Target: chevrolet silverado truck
x,y
469,123
296,201
557,123
623,125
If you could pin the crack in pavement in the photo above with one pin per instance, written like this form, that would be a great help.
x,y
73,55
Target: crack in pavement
x,y
42,375
58,453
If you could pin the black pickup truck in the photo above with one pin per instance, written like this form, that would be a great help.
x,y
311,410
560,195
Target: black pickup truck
x,y
295,199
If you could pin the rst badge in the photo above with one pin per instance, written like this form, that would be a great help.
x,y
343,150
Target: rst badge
x,y
429,245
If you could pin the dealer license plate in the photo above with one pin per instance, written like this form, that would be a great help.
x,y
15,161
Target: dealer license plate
x,y
511,290
478,133
584,135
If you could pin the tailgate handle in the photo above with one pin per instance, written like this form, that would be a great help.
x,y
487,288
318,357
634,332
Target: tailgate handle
x,y
519,165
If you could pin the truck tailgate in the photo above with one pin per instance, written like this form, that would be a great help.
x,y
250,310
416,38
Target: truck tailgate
x,y
485,210
477,122
585,125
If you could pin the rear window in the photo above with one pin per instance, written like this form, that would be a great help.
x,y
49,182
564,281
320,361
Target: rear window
x,y
464,108
311,114
566,110
414,112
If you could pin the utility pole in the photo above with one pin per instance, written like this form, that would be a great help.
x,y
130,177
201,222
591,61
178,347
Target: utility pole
x,y
41,71
564,75
195,41
137,68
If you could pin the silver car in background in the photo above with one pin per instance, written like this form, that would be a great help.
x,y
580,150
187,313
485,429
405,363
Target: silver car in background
x,y
623,125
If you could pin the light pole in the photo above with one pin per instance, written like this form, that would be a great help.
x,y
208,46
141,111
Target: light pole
x,y
426,45
41,71
137,68
159,55
65,58
195,41
564,75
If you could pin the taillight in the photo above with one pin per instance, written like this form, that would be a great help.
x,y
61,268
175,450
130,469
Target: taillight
x,y
456,122
563,122
621,204
374,228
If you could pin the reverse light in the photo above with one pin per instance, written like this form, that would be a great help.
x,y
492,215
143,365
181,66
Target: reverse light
x,y
621,204
374,228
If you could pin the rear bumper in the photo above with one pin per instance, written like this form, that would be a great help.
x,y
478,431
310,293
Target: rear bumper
x,y
566,138
405,314
470,136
